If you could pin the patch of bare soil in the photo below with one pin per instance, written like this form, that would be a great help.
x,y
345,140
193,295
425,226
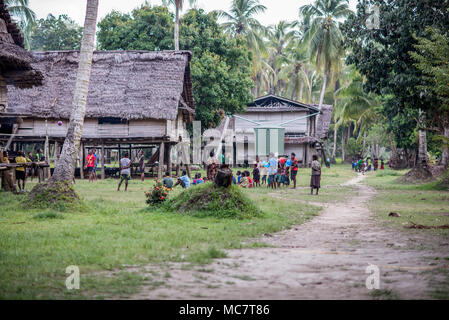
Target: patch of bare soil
x,y
325,258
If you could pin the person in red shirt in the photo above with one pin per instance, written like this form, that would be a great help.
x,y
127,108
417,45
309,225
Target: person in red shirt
x,y
90,165
294,169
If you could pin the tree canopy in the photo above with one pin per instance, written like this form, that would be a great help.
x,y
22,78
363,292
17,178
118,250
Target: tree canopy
x,y
53,33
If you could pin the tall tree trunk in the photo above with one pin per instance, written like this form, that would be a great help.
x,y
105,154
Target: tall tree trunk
x,y
364,144
343,148
65,167
445,154
422,142
334,150
301,91
392,147
177,29
422,149
323,90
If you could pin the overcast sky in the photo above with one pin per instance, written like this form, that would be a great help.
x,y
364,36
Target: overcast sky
x,y
277,10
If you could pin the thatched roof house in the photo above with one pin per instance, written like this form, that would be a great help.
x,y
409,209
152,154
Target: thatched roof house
x,y
15,61
124,84
134,98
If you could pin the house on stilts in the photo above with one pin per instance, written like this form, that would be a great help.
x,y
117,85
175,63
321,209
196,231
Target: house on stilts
x,y
136,99
291,126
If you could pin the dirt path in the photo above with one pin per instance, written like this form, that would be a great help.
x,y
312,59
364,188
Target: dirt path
x,y
325,258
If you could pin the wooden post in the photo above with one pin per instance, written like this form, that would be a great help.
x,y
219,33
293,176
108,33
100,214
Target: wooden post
x,y
161,161
56,153
103,175
47,158
81,151
169,169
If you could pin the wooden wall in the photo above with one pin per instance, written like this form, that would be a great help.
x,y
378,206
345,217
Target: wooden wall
x,y
299,126
135,128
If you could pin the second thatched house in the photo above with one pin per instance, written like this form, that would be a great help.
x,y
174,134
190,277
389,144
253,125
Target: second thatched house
x,y
135,97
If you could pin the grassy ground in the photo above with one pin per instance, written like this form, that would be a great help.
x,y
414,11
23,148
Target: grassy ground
x,y
417,203
118,230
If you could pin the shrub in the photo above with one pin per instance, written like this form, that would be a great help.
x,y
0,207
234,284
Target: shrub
x,y
158,195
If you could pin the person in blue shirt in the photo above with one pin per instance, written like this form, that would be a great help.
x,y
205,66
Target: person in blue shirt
x,y
239,177
184,181
272,169
95,165
198,179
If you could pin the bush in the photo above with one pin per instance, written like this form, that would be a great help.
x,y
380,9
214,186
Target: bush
x,y
158,195
207,200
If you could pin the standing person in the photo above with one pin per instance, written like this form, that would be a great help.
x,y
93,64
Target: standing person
x,y
294,169
211,166
96,164
125,171
40,157
90,164
256,175
382,164
315,181
272,169
20,171
360,165
142,165
376,164
264,174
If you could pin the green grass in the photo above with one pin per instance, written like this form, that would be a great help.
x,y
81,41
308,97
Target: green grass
x,y
417,203
116,229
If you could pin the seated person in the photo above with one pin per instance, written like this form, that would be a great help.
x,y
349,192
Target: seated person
x,y
198,179
184,181
167,181
244,181
239,177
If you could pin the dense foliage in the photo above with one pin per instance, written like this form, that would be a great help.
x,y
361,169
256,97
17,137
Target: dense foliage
x,y
53,33
220,65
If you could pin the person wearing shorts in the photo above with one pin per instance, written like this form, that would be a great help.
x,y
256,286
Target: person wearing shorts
x,y
20,171
294,169
90,165
125,171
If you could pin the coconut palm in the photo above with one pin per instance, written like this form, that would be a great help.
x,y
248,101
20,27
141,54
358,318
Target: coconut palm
x,y
25,17
65,167
178,7
241,21
323,35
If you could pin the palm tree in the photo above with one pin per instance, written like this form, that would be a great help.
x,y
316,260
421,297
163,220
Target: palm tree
x,y
323,35
241,21
178,7
26,18
65,166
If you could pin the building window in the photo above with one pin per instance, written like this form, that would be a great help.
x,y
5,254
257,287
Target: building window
x,y
112,120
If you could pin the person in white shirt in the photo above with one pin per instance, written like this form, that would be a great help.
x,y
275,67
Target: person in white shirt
x,y
125,171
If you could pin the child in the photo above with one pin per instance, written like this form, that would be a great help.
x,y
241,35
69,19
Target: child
x,y
167,181
239,177
272,169
125,171
256,175
250,181
264,174
244,181
198,179
287,175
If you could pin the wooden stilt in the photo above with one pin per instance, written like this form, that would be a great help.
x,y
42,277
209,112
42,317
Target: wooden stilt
x,y
169,169
161,160
103,172
56,153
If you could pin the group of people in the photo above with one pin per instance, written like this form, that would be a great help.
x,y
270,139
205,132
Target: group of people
x,y
365,165
276,173
23,172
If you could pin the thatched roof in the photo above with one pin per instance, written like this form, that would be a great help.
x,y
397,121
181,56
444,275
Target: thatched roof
x,y
123,84
15,61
